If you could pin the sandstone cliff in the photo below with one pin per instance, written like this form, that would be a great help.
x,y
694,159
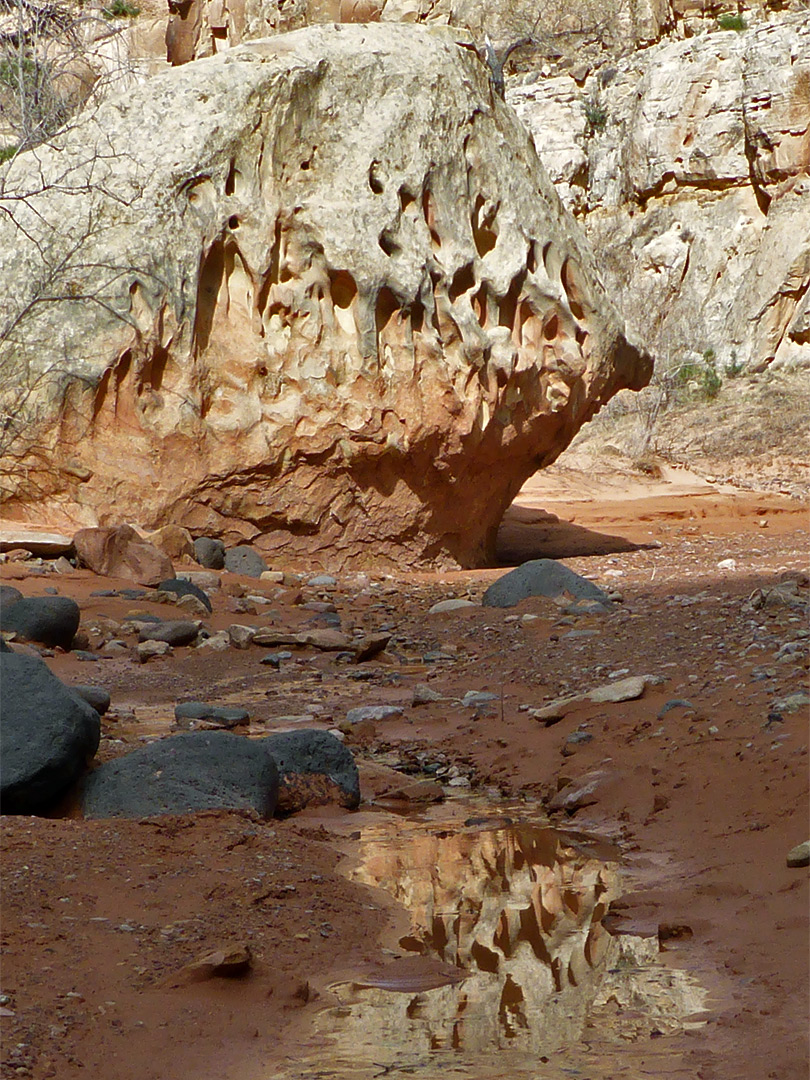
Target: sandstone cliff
x,y
689,163
316,292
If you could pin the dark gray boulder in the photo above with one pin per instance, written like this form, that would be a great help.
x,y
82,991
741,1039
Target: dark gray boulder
x,y
315,769
244,560
47,735
174,631
48,620
198,770
9,595
541,577
210,553
181,587
96,696
4,647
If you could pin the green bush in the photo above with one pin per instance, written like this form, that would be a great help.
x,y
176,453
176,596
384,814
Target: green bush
x,y
11,68
732,22
120,9
701,377
596,115
7,153
734,367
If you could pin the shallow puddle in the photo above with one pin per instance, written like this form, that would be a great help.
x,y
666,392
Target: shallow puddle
x,y
505,961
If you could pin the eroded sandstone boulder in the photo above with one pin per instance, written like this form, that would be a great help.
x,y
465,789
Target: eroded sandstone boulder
x,y
119,551
324,299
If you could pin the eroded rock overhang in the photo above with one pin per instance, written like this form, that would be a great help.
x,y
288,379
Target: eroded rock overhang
x,y
316,293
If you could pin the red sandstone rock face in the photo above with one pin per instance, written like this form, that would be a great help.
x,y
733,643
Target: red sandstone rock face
x,y
344,317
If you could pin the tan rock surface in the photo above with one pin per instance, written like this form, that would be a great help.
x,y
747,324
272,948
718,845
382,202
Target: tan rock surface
x,y
695,189
340,330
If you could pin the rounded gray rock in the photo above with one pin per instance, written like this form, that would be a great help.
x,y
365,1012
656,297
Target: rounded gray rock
x,y
210,553
9,595
199,770
541,577
244,560
47,734
48,620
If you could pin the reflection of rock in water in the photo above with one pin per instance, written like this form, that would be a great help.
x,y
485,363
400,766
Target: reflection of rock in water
x,y
518,909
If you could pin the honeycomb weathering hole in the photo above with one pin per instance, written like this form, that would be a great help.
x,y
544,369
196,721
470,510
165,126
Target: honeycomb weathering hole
x,y
463,281
343,288
484,233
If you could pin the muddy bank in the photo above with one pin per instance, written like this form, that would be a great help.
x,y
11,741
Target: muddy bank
x,y
703,798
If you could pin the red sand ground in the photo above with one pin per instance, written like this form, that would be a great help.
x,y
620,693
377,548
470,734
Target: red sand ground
x,y
98,916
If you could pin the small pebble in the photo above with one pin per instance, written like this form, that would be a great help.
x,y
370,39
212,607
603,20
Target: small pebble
x,y
800,855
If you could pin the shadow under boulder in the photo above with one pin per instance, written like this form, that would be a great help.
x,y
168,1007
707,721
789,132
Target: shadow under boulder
x,y
47,735
201,770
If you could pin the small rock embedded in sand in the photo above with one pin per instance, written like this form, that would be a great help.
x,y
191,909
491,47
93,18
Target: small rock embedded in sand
x,y
623,690
241,636
114,647
190,605
322,581
372,712
791,703
370,646
800,855
456,604
212,715
610,693
219,642
423,695
328,640
275,577
146,650
584,791
174,631
181,587
226,962
727,564
575,740
474,698
674,703
274,659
